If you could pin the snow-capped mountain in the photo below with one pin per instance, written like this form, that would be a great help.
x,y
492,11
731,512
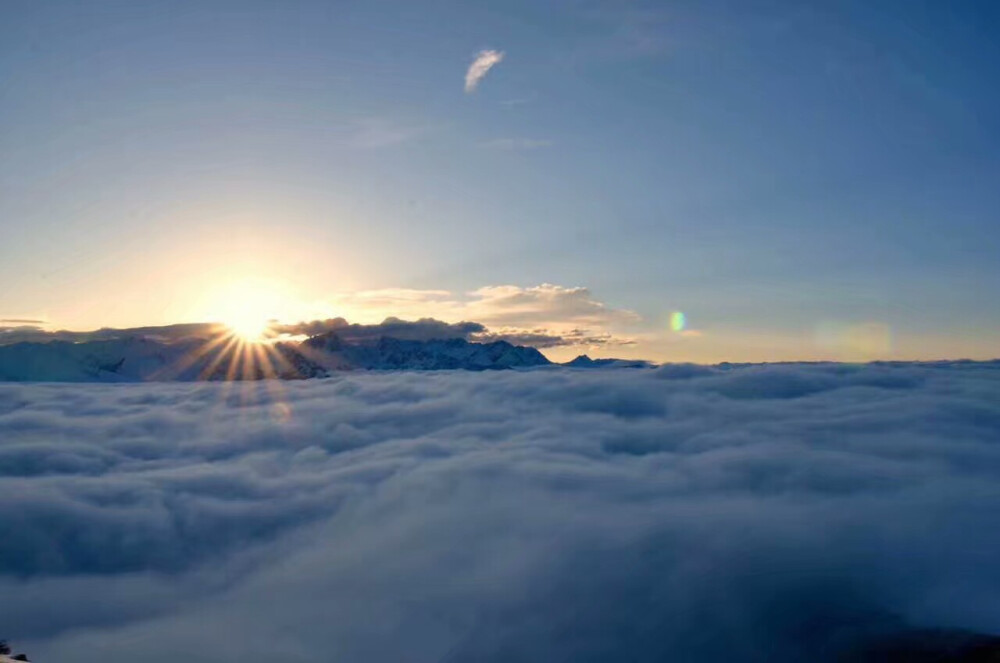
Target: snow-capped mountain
x,y
115,360
133,359
330,352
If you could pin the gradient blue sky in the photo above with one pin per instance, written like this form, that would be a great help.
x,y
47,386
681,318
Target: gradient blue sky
x,y
803,180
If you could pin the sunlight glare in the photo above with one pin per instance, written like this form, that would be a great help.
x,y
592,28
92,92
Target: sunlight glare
x,y
248,325
248,308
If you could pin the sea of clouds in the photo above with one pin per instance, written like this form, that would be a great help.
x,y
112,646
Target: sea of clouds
x,y
690,514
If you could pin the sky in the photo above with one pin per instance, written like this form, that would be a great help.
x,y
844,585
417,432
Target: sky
x,y
801,180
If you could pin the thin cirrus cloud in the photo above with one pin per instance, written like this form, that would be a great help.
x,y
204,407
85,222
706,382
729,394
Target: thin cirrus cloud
x,y
757,513
481,65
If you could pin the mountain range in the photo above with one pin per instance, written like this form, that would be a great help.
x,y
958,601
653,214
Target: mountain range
x,y
142,358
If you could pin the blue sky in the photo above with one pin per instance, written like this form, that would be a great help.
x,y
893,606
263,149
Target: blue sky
x,y
803,180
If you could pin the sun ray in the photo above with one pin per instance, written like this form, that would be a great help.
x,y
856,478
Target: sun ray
x,y
241,346
190,358
249,360
235,360
223,353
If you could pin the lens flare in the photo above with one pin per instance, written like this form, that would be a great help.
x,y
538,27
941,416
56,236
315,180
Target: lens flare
x,y
677,321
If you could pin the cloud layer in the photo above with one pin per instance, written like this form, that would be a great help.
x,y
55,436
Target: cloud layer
x,y
481,65
757,513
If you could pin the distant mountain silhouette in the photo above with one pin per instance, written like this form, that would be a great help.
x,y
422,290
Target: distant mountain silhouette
x,y
139,358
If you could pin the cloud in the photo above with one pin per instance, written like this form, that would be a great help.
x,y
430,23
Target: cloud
x,y
481,65
541,338
751,513
167,333
545,303
425,329
553,314
516,144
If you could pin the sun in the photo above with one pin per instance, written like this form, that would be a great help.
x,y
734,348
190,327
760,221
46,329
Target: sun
x,y
247,309
248,325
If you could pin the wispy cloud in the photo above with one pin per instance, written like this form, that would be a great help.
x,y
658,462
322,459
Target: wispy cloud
x,y
22,321
516,143
485,60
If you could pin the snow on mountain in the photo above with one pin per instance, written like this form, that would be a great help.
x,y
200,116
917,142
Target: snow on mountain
x,y
134,359
115,360
386,353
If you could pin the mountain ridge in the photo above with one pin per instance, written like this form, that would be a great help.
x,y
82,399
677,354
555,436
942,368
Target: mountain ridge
x,y
139,358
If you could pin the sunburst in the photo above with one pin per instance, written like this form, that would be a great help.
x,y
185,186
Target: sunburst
x,y
241,345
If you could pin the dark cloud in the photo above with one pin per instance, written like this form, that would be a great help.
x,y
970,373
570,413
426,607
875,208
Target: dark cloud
x,y
534,339
424,329
687,513
167,333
